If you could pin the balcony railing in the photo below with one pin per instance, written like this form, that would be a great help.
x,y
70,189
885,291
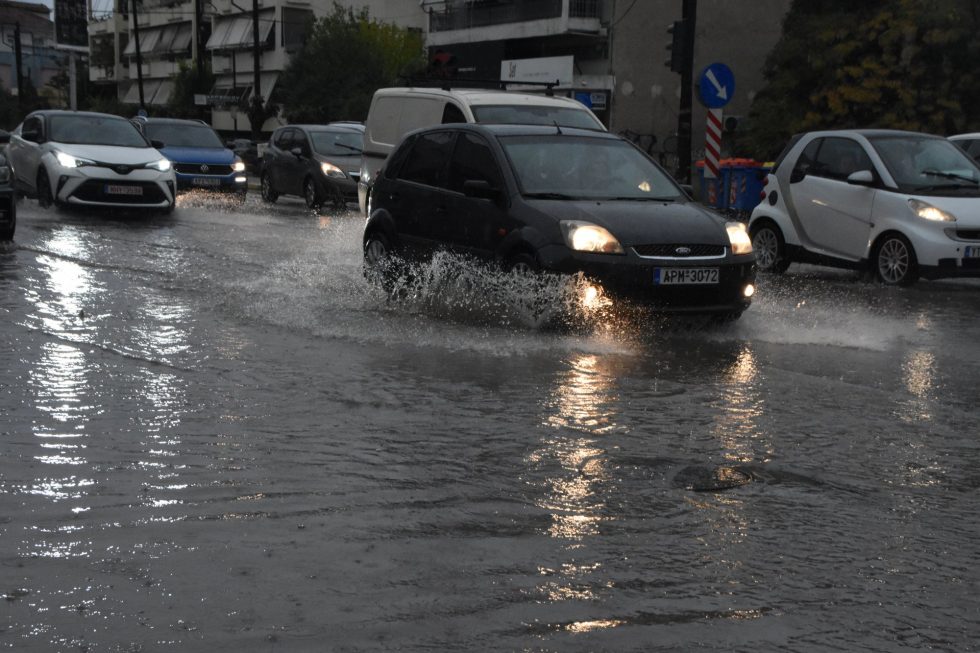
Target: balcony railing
x,y
484,14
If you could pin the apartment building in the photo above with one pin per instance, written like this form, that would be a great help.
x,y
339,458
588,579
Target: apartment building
x,y
40,62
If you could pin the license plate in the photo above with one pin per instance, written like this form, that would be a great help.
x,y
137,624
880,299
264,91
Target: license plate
x,y
684,276
111,189
205,181
971,252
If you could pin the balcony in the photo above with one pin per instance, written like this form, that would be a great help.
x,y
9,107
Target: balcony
x,y
491,20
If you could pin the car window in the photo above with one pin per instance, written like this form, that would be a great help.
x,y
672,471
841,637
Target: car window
x,y
971,146
536,115
473,160
838,158
582,167
301,141
33,123
183,134
337,143
804,164
94,130
452,113
426,162
924,163
283,139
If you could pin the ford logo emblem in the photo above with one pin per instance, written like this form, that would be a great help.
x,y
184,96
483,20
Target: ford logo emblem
x,y
204,168
683,251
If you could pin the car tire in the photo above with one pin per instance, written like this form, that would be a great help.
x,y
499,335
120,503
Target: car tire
x,y
269,194
44,198
522,263
7,233
379,263
894,261
770,248
310,194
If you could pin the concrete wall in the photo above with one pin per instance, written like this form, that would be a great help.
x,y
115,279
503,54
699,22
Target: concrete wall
x,y
737,33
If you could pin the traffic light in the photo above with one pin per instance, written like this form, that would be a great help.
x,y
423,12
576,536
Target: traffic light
x,y
678,47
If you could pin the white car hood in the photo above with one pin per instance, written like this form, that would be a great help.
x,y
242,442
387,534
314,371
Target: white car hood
x,y
110,153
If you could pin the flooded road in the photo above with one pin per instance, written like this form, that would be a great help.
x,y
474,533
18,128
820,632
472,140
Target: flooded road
x,y
215,436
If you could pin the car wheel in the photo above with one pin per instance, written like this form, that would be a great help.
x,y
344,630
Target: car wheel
x,y
379,264
44,198
268,193
522,264
310,194
895,261
7,233
770,248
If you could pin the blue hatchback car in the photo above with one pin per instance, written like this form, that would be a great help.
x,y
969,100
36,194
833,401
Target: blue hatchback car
x,y
200,159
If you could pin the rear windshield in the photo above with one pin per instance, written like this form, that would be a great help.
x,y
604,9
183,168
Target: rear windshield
x,y
183,135
338,143
95,130
524,114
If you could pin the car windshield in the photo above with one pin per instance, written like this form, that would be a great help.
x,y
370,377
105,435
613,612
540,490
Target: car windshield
x,y
525,114
337,143
578,167
95,130
924,164
183,134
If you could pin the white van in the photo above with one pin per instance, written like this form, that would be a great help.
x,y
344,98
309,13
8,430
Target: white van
x,y
396,111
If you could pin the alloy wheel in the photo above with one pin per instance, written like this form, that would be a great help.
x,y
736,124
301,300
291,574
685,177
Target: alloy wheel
x,y
766,247
894,261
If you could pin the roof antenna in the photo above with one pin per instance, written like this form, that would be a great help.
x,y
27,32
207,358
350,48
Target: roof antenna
x,y
557,126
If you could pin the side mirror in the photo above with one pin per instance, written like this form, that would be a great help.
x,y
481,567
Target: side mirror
x,y
798,175
687,188
297,152
230,145
861,178
157,144
480,189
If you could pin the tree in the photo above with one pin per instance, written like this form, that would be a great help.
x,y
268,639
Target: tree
x,y
346,57
188,82
901,64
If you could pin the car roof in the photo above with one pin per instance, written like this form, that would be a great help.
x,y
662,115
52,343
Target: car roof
x,y
477,97
963,137
66,112
349,128
494,129
870,133
171,121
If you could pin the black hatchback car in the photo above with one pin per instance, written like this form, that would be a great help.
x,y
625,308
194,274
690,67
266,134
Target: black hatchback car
x,y
320,163
560,200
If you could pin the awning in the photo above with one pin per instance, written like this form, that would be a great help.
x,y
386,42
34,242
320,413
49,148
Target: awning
x,y
236,32
149,90
161,40
163,92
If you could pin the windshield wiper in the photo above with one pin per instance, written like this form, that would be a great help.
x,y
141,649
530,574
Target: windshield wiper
x,y
947,187
635,198
949,175
550,196
350,147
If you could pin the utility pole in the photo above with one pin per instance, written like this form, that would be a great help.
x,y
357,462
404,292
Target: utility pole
x,y
256,111
19,64
139,58
684,115
199,36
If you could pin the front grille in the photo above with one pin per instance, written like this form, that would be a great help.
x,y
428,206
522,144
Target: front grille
x,y
221,169
968,234
671,251
93,190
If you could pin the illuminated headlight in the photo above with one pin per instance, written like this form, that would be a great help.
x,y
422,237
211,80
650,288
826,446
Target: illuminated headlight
x,y
588,237
738,236
238,166
331,170
4,174
162,165
68,161
929,212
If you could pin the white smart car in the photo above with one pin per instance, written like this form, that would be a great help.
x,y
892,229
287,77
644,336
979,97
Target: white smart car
x,y
81,158
903,204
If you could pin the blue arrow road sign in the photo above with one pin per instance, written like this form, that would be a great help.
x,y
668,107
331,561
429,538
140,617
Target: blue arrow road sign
x,y
716,85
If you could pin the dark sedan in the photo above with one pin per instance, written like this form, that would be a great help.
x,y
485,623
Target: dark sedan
x,y
561,200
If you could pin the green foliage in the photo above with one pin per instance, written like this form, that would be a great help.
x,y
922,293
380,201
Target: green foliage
x,y
188,82
900,64
346,57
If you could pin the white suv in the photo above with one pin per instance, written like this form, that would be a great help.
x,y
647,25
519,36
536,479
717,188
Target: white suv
x,y
396,111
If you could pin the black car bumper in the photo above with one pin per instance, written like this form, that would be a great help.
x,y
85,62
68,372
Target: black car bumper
x,y
330,187
720,285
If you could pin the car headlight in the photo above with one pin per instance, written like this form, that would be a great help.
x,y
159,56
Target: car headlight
x,y
588,237
331,170
238,166
929,212
162,165
738,236
68,161
4,174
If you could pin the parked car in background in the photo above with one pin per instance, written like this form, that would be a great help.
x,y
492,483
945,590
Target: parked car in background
x,y
82,158
200,159
320,163
396,111
534,198
902,204
246,150
970,143
8,200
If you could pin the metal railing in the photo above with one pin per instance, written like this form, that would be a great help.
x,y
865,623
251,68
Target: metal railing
x,y
466,16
